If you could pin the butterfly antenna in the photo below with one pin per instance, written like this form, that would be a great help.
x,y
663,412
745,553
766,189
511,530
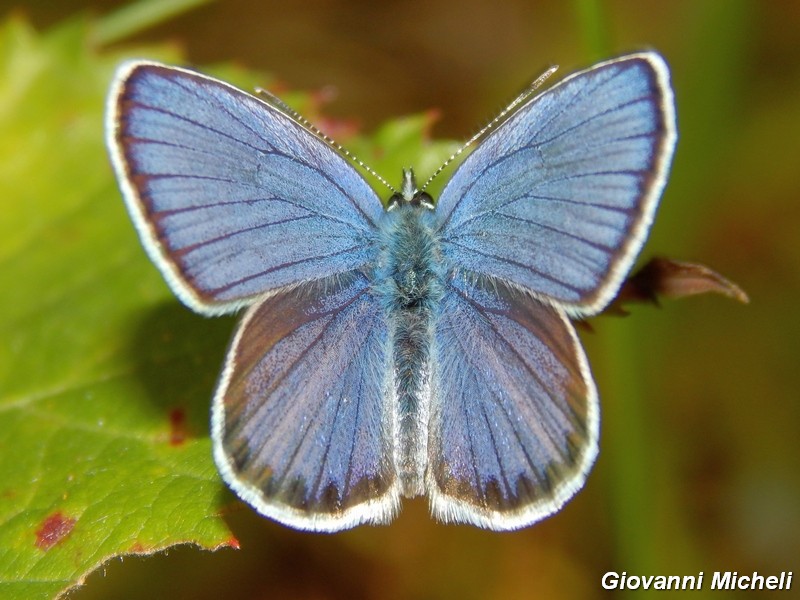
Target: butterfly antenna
x,y
495,122
273,100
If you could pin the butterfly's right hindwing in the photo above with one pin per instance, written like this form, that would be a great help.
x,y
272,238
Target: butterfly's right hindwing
x,y
514,415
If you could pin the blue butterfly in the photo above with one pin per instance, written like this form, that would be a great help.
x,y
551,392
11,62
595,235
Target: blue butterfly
x,y
425,348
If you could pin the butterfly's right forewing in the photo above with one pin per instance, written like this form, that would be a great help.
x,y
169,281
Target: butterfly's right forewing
x,y
559,198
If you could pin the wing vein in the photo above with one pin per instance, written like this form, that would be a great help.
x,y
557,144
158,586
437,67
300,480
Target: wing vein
x,y
241,280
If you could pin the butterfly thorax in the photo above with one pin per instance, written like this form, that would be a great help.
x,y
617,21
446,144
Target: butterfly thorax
x,y
408,279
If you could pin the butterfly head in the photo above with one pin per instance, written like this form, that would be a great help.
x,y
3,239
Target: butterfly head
x,y
410,194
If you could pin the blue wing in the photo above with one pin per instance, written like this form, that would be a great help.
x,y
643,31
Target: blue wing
x,y
560,197
231,196
302,416
514,415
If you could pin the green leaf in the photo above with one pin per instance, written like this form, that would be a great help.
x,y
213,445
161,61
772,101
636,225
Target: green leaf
x,y
136,17
103,440
105,379
402,143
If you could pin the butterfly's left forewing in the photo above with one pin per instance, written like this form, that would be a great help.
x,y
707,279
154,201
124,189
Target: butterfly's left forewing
x,y
231,196
514,415
302,416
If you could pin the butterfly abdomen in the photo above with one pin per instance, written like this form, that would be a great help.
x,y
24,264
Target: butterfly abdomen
x,y
408,280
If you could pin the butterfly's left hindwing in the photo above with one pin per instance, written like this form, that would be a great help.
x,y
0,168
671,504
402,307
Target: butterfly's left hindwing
x,y
231,196
514,414
302,417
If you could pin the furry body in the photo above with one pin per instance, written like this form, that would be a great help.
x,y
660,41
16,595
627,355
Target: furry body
x,y
409,280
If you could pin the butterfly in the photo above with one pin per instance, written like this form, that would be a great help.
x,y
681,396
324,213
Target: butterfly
x,y
422,348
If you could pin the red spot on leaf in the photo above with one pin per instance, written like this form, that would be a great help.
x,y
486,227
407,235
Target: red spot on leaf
x,y
53,529
177,426
231,542
338,129
431,117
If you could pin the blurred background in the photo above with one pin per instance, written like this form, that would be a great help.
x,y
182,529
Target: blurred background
x,y
699,468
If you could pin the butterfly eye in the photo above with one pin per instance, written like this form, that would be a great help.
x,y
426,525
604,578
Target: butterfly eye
x,y
394,201
423,199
